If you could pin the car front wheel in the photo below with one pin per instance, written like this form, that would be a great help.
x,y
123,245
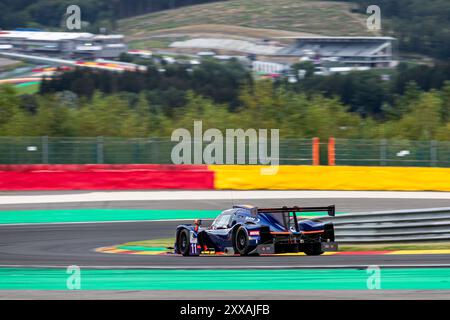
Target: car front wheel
x,y
183,242
241,243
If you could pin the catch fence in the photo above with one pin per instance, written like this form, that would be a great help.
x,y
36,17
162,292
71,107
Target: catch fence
x,y
111,150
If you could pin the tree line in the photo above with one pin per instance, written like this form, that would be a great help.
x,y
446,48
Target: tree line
x,y
165,85
367,93
417,114
373,92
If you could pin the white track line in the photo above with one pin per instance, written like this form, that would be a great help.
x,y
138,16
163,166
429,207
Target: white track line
x,y
337,266
212,195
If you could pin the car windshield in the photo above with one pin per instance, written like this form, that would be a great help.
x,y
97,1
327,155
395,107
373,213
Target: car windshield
x,y
222,221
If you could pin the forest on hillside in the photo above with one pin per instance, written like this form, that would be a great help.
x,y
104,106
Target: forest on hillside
x,y
420,26
365,93
224,95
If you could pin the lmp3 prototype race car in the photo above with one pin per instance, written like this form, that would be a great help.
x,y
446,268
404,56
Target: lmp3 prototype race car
x,y
248,230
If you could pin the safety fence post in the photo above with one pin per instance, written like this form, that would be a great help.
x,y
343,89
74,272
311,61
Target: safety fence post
x,y
331,151
383,152
433,153
315,151
99,150
44,141
154,150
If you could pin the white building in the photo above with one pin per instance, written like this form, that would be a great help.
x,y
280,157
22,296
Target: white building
x,y
269,67
64,44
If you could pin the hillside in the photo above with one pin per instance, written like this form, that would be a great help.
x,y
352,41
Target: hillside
x,y
251,18
100,13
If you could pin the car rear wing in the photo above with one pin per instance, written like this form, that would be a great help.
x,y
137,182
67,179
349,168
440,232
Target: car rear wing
x,y
331,210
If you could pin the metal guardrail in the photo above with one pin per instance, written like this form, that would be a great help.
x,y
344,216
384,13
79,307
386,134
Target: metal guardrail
x,y
415,225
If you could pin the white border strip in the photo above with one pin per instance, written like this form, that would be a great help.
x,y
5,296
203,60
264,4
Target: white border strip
x,y
251,267
6,199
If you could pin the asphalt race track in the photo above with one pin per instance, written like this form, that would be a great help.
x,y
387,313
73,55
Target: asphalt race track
x,y
61,245
73,244
65,244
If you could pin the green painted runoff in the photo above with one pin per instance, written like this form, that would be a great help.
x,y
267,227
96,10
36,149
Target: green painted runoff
x,y
99,215
293,279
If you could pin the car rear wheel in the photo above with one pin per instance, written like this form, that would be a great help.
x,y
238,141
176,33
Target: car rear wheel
x,y
183,242
241,242
314,250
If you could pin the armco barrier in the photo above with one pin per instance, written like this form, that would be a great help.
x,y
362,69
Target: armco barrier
x,y
414,225
104,177
246,177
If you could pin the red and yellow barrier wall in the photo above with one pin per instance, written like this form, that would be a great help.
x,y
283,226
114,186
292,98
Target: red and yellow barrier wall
x,y
105,177
220,177
332,178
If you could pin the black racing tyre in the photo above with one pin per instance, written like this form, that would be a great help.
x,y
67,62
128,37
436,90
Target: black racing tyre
x,y
241,243
313,250
184,242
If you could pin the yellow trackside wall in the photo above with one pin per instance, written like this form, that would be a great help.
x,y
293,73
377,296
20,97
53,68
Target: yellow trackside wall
x,y
247,177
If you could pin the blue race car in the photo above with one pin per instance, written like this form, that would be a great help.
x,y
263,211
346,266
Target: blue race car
x,y
248,230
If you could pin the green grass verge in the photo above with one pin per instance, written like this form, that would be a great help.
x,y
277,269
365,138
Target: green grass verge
x,y
168,242
151,43
396,246
7,67
26,88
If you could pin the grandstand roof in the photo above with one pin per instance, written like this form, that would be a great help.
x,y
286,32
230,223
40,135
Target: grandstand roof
x,y
341,46
43,35
56,36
